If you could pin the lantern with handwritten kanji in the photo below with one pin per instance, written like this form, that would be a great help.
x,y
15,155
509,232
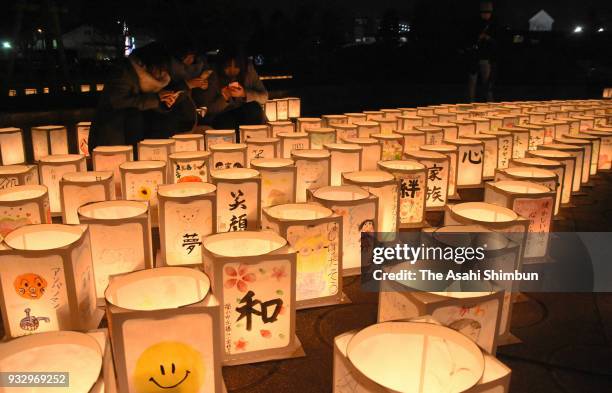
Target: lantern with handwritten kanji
x,y
52,168
505,143
384,186
215,137
392,145
533,174
345,157
253,275
262,148
412,192
331,120
355,117
238,199
470,166
12,150
46,280
189,166
155,149
295,107
253,131
48,140
282,109
371,152
315,232
520,140
604,162
438,167
18,175
120,233
23,205
567,162
451,152
188,142
575,151
313,171
186,216
108,158
433,135
164,329
387,126
320,136
280,126
491,151
409,122
290,141
278,180
365,129
79,188
587,148
308,122
228,155
464,127
270,110
564,190
82,134
344,131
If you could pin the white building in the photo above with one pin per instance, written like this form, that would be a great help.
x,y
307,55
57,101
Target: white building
x,y
541,22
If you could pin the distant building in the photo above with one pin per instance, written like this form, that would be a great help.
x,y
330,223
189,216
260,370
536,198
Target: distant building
x,y
90,43
364,30
541,22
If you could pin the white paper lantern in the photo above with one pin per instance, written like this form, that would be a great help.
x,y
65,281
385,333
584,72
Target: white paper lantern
x,y
12,150
412,194
392,145
270,110
371,152
290,141
189,166
262,148
140,180
188,142
505,142
214,137
450,130
408,122
155,149
278,180
320,136
413,139
587,147
575,151
391,113
564,191
344,157
82,134
365,129
568,162
433,135
80,188
595,148
604,162
470,155
18,175
109,158
23,205
280,126
295,107
49,140
465,127
254,131
344,131
52,168
374,115
387,125
491,151
438,170
308,122
353,117
451,152
313,171
282,109
408,111
331,120
238,199
227,156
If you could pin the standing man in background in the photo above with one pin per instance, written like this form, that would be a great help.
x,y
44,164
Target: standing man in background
x,y
481,52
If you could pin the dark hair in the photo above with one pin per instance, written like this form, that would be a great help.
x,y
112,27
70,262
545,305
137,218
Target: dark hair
x,y
153,55
183,47
227,55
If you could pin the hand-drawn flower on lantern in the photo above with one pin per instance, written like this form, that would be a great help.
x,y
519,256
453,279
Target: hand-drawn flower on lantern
x,y
242,277
144,193
279,273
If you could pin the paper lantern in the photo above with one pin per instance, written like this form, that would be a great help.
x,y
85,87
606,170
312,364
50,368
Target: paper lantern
x,y
586,122
428,119
465,127
140,180
373,360
358,209
554,129
578,153
392,145
587,147
77,355
270,110
79,188
186,216
451,152
120,233
46,280
532,174
48,140
308,122
214,137
604,162
531,200
565,126
482,124
438,166
320,136
344,157
386,187
564,191
505,142
449,130
433,135
295,107
282,109
595,142
313,170
569,183
387,126
353,118
331,120
253,275
498,121
254,131
262,148
278,180
188,142
181,347
408,111
537,135
155,149
280,126
12,150
413,139
109,158
536,116
391,113
520,140
189,166
18,175
227,156
23,205
238,199
344,131
408,122
470,166
365,129
315,232
52,168
491,151
82,135
374,115
370,154
290,141
412,193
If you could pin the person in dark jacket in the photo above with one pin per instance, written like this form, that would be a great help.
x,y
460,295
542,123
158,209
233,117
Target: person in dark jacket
x,y
482,53
235,93
136,85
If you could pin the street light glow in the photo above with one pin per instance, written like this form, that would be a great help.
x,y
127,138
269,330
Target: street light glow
x,y
578,29
600,30
6,45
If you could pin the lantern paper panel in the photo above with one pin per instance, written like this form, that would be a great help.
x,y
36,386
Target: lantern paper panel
x,y
295,107
587,149
331,120
189,166
215,137
262,148
278,180
371,152
604,162
18,175
563,191
80,188
520,141
595,144
408,123
412,190
253,131
52,169
451,152
280,126
465,127
470,162
83,137
109,158
567,163
387,126
270,110
313,171
490,157
392,146
291,141
438,166
308,122
12,150
575,152
344,131
155,149
238,199
49,140
228,156
433,135
374,115
318,137
23,205
344,157
282,109
413,140
188,142
365,129
355,117
504,147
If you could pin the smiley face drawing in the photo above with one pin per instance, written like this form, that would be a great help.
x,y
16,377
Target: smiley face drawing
x,y
169,366
30,285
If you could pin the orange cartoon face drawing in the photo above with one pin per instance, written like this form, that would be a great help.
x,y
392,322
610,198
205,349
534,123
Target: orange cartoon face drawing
x,y
30,285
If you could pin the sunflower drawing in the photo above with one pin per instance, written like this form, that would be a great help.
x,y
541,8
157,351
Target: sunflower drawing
x,y
144,193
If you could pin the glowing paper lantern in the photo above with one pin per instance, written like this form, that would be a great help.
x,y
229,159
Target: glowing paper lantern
x,y
255,131
18,175
344,157
214,137
308,122
109,158
569,183
280,126
408,122
491,151
77,354
451,152
51,170
313,171
365,129
438,166
387,188
82,129
228,155
392,145
433,135
330,120
413,139
253,275
315,232
536,175
505,143
530,200
537,136
387,126
549,130
238,199
186,216
189,166
181,347
23,205
320,136
79,188
188,142
47,280
412,193
520,140
290,141
353,118
428,119
270,110
465,127
408,111
604,162
295,107
139,182
595,148
371,152
278,180
48,140
358,209
535,116
120,233
470,166
344,131
578,153
586,122
482,124
391,113
12,150
374,115
587,147
282,109
564,191
155,149
262,148
450,130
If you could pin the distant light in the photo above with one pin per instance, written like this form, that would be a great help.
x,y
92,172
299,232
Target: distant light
x,y
39,30
578,29
6,45
601,30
